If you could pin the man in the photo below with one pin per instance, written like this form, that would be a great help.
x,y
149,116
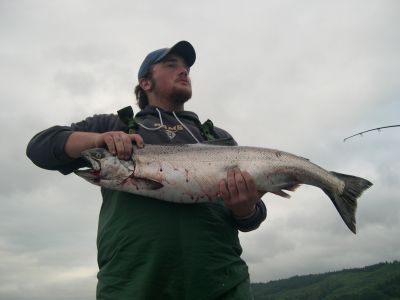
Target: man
x,y
151,249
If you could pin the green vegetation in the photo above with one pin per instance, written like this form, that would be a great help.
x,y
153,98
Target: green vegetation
x,y
376,282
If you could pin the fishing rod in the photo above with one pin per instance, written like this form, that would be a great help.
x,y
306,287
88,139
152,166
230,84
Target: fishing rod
x,y
362,132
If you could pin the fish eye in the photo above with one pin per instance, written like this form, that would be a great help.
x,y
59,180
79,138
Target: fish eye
x,y
97,155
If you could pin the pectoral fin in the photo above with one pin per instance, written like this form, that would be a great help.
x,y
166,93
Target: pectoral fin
x,y
288,187
141,183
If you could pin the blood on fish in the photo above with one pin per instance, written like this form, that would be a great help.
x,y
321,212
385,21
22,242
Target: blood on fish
x,y
97,174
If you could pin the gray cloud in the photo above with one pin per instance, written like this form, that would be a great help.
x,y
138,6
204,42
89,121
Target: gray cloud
x,y
299,77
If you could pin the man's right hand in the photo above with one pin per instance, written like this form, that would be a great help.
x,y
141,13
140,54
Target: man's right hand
x,y
117,142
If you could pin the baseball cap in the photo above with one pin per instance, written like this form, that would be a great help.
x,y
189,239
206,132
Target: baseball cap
x,y
182,48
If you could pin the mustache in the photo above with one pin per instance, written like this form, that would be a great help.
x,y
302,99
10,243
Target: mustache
x,y
183,78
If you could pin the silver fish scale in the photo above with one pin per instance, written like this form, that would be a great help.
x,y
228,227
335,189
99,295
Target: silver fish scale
x,y
272,169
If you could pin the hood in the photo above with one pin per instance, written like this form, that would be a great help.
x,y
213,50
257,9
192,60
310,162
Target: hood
x,y
151,110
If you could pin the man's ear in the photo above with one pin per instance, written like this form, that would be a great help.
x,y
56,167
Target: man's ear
x,y
145,84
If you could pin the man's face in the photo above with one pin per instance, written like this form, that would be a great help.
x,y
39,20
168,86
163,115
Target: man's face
x,y
170,79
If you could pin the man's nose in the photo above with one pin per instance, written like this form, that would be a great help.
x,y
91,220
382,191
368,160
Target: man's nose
x,y
184,71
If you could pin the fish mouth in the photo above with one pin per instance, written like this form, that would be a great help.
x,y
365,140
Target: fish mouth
x,y
91,171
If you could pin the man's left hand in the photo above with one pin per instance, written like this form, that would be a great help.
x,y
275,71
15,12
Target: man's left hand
x,y
239,193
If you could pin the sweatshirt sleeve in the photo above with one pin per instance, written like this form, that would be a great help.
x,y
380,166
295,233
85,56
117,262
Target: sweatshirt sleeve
x,y
254,221
46,149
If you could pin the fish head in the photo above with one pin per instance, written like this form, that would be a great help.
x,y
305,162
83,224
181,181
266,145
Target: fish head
x,y
103,166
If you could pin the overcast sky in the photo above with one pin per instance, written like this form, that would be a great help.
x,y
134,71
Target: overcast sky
x,y
294,75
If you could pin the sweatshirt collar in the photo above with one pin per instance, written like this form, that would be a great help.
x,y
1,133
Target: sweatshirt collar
x,y
151,110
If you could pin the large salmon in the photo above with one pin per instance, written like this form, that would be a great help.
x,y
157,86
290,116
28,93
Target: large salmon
x,y
191,173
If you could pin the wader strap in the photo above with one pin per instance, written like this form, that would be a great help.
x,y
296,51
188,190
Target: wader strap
x,y
207,130
127,117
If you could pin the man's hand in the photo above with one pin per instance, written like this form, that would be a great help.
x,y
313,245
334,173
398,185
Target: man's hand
x,y
119,143
239,193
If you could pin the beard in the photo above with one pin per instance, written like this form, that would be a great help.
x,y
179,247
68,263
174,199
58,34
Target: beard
x,y
180,96
176,95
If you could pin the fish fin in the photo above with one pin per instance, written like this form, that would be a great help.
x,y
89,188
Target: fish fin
x,y
281,193
221,142
292,187
288,187
346,203
143,183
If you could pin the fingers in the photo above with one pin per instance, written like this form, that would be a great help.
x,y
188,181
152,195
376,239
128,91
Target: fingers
x,y
250,184
239,192
120,143
123,146
223,190
236,185
241,183
231,184
137,139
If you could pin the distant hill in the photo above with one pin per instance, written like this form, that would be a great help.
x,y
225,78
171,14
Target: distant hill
x,y
376,282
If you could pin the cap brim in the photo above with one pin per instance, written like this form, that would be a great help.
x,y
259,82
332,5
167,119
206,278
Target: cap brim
x,y
183,49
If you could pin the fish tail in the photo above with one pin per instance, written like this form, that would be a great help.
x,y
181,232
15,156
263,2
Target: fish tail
x,y
346,202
